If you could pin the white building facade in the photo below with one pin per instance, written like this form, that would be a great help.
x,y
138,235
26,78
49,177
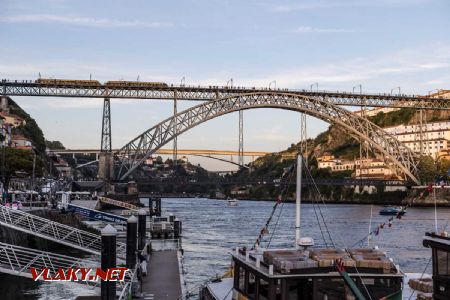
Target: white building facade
x,y
435,137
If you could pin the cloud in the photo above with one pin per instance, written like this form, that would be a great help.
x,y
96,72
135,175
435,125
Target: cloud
x,y
376,71
309,29
306,6
313,5
84,21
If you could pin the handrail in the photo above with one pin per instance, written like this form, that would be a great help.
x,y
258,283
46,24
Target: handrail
x,y
54,231
17,260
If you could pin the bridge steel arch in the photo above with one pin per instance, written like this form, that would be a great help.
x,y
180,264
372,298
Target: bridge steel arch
x,y
136,151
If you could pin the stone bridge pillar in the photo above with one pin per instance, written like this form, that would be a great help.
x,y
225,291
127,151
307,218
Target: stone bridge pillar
x,y
105,166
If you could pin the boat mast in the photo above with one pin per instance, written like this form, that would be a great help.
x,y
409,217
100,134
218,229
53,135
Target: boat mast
x,y
298,200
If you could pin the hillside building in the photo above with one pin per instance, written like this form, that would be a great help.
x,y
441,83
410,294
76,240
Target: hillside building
x,y
20,142
435,137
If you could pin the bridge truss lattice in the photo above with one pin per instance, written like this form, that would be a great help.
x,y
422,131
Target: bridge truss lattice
x,y
136,151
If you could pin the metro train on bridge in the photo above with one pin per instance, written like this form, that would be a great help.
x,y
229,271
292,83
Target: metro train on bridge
x,y
90,83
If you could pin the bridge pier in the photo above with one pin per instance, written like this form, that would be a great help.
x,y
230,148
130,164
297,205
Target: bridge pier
x,y
105,166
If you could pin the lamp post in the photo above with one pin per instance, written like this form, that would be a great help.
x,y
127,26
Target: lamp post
x,y
399,90
360,88
183,81
274,83
314,84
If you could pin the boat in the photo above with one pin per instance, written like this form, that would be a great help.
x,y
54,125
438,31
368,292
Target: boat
x,y
233,202
392,211
307,273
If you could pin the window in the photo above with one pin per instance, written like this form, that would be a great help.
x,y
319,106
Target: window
x,y
241,275
442,263
251,289
263,290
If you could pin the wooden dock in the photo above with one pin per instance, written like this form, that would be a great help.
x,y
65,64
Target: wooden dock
x,y
163,276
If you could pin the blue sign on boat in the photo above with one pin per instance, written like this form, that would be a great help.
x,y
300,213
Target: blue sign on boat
x,y
95,214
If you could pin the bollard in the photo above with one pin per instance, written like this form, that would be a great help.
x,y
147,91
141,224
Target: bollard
x,y
131,242
108,288
142,229
158,207
171,218
150,207
176,228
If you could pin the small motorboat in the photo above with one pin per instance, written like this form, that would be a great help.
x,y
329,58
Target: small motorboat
x,y
233,202
392,211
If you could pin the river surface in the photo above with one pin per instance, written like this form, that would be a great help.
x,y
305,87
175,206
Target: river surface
x,y
211,229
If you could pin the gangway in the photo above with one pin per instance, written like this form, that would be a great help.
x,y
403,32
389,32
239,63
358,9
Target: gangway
x,y
17,260
96,214
118,203
54,231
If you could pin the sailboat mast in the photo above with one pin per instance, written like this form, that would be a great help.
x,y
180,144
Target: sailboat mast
x,y
298,200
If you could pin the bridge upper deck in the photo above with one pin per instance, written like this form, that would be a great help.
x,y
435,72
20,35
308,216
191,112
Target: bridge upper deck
x,y
208,93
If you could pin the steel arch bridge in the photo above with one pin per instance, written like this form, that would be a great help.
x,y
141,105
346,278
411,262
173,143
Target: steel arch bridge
x,y
136,151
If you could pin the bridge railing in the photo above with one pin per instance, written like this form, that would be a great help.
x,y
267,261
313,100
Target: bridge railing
x,y
54,231
209,87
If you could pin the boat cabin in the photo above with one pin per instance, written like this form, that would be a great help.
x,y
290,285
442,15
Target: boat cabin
x,y
311,274
440,246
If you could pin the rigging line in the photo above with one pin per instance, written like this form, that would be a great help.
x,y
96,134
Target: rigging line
x,y
421,276
359,242
320,209
280,198
275,226
282,204
428,263
320,226
340,237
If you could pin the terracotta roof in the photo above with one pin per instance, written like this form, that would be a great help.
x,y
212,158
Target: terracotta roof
x,y
19,137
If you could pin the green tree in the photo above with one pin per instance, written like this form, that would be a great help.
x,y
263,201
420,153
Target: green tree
x,y
54,145
19,160
427,170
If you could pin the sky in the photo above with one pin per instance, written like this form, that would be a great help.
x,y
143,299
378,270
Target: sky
x,y
380,45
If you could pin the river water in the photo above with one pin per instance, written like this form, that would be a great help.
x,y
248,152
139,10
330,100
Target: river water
x,y
211,229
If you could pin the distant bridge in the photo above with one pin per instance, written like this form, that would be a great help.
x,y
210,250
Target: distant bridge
x,y
168,151
277,181
194,152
